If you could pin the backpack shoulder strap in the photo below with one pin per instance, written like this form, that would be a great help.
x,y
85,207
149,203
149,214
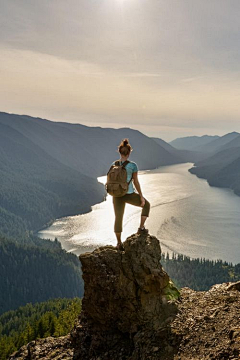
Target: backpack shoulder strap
x,y
117,163
125,163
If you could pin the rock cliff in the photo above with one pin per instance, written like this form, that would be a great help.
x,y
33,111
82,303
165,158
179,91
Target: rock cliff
x,y
126,301
132,311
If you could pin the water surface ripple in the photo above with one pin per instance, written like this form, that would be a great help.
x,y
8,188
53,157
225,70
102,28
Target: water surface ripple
x,y
187,215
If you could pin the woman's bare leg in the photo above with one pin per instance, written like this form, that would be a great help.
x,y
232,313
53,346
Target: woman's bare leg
x,y
118,236
142,222
119,206
119,243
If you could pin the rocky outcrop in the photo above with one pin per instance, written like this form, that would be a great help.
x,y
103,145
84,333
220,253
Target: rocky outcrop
x,y
208,324
131,311
126,301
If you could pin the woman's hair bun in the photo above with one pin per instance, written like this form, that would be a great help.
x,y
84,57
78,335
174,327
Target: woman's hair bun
x,y
124,148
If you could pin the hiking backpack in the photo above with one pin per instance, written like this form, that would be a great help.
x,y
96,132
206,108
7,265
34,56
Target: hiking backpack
x,y
117,184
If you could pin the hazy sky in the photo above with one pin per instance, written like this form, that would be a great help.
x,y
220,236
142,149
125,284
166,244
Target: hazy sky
x,y
168,68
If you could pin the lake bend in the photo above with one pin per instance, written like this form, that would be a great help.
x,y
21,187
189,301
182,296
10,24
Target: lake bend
x,y
187,215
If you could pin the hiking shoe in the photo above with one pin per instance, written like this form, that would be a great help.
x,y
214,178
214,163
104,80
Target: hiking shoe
x,y
120,247
142,231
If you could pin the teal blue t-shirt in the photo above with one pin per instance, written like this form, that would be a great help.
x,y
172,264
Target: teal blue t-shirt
x,y
131,168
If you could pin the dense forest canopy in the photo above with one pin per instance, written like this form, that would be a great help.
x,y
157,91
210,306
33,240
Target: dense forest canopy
x,y
199,274
36,270
54,317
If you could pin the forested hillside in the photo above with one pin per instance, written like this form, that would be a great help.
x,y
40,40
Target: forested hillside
x,y
51,318
228,176
35,188
221,169
220,162
199,274
36,270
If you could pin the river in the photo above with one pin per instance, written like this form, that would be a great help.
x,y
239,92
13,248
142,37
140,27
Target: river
x,y
187,215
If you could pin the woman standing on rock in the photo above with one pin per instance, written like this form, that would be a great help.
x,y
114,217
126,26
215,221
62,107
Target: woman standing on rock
x,y
130,196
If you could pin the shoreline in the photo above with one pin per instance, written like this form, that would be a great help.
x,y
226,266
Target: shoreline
x,y
104,197
212,185
51,222
83,234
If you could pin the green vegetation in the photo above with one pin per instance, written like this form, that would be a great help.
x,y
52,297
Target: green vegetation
x,y
56,317
51,318
35,188
36,270
171,292
199,274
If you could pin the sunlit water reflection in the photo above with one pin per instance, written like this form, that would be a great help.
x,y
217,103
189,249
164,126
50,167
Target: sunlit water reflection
x,y
187,215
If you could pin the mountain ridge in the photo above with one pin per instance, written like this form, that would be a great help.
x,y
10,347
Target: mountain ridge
x,y
71,144
216,144
192,142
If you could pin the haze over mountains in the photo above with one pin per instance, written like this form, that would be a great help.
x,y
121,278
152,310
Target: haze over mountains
x,y
219,143
185,151
192,142
220,164
89,150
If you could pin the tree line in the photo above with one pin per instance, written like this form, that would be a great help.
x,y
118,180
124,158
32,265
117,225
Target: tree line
x,y
199,274
54,317
36,270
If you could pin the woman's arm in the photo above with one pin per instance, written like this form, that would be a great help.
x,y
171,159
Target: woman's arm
x,y
138,187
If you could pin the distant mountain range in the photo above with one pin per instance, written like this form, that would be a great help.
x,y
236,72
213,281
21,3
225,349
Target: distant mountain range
x,y
219,143
89,150
192,142
206,143
184,154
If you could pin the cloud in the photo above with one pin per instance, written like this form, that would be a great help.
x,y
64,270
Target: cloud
x,y
170,65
